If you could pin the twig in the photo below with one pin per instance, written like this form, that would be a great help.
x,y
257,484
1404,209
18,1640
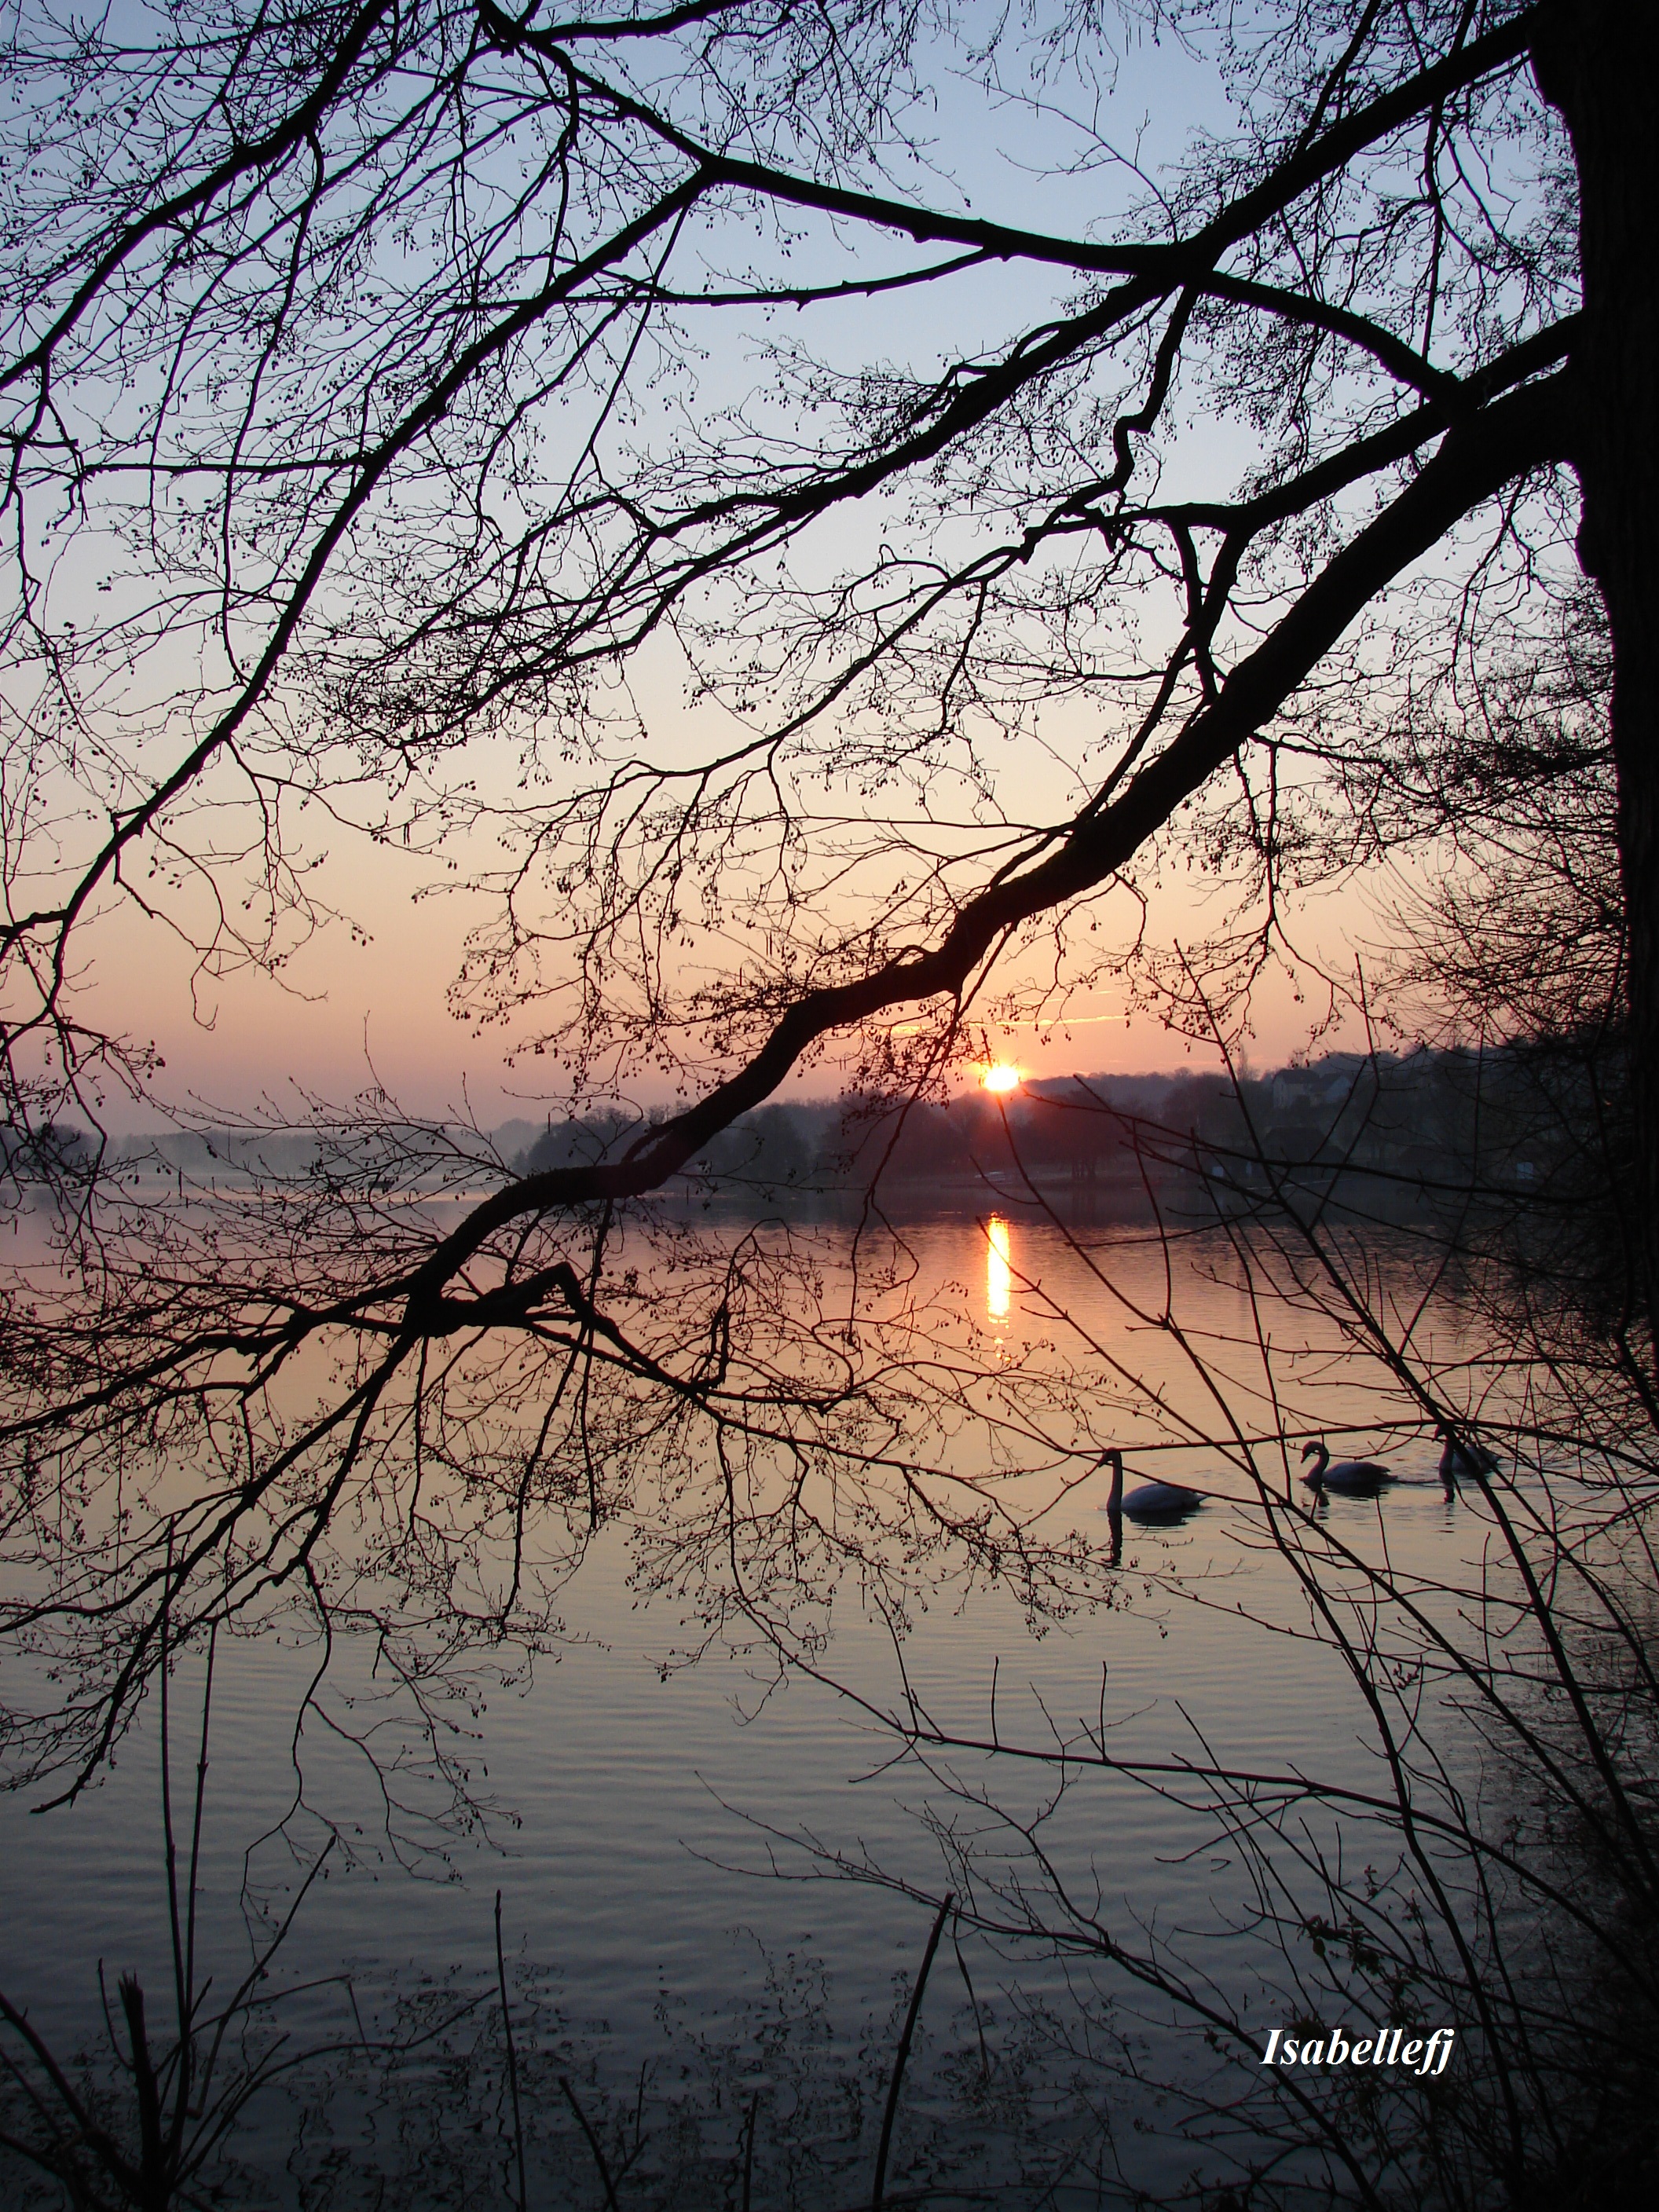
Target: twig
x,y
512,2057
878,2188
592,2144
749,2150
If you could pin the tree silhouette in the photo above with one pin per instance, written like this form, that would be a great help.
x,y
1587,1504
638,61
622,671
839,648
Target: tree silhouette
x,y
356,431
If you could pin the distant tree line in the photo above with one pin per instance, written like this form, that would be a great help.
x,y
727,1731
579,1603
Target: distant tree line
x,y
1543,1128
1530,1126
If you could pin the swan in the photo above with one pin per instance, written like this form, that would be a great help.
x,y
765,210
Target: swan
x,y
1353,1478
1149,1501
1458,1459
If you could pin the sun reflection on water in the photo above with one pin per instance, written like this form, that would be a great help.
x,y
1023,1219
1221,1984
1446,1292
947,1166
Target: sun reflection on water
x,y
999,1275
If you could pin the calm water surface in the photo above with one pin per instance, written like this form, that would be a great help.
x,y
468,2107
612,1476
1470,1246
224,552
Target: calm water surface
x,y
636,1815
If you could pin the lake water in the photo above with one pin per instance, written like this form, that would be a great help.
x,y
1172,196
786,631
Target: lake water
x,y
675,1845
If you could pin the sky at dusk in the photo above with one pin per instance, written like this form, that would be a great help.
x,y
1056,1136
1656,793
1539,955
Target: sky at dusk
x,y
371,1003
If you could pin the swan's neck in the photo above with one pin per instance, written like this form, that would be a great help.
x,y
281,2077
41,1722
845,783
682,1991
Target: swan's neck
x,y
1114,1503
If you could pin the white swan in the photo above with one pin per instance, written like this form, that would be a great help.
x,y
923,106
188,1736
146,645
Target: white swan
x,y
1353,1478
1458,1459
1149,1501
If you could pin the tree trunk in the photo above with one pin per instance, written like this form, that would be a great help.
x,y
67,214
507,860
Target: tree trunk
x,y
1595,61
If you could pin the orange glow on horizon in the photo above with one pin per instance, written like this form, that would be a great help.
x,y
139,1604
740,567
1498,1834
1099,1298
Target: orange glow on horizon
x,y
1001,1077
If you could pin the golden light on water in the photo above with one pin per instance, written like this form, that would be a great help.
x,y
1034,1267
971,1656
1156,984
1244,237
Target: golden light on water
x,y
998,1274
1001,1077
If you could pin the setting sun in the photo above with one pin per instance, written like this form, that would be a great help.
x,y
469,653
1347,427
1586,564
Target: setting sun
x,y
1001,1077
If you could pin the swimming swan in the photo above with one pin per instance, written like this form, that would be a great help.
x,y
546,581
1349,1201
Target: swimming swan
x,y
1149,1501
1458,1459
1352,1478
